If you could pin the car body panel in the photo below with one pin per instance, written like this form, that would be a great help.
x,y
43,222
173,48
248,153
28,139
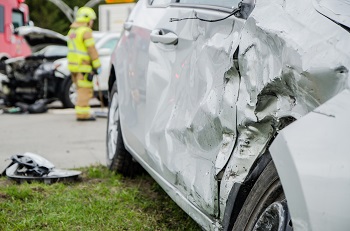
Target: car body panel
x,y
196,120
188,102
131,73
176,96
337,10
283,75
314,167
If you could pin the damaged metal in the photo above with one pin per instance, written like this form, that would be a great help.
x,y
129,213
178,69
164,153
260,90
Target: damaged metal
x,y
284,74
29,167
33,78
320,157
197,114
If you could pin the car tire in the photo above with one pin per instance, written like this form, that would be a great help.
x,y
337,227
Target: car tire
x,y
69,94
266,206
118,158
105,99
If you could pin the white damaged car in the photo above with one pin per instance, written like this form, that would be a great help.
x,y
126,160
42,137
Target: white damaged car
x,y
240,110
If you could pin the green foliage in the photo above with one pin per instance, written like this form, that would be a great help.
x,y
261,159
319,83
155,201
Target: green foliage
x,y
101,200
47,15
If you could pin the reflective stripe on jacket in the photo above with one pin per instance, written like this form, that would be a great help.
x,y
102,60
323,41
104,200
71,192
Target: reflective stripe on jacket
x,y
79,59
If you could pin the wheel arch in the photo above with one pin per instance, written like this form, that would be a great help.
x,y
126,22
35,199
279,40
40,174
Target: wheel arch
x,y
240,191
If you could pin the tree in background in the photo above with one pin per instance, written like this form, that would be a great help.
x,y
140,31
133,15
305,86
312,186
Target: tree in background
x,y
47,15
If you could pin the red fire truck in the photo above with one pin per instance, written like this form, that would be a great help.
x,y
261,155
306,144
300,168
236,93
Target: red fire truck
x,y
13,14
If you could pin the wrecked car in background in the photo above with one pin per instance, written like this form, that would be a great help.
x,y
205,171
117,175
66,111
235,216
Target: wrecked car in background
x,y
238,109
45,74
33,77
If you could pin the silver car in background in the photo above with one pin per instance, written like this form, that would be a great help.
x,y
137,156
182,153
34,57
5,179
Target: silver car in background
x,y
239,109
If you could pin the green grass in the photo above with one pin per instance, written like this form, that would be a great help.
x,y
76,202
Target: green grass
x,y
99,200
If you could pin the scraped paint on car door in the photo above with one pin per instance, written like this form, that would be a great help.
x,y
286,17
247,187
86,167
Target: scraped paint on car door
x,y
192,86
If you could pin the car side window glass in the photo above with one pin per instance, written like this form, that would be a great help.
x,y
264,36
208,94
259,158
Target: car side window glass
x,y
17,18
2,19
159,2
224,3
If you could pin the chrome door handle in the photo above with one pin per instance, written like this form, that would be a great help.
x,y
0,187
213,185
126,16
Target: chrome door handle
x,y
165,37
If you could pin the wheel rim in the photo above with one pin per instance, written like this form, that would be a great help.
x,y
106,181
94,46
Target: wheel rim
x,y
276,217
113,125
73,93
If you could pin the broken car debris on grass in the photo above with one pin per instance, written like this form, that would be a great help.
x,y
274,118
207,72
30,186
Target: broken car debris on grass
x,y
30,167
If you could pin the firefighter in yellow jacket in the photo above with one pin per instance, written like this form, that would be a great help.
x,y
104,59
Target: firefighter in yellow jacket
x,y
83,61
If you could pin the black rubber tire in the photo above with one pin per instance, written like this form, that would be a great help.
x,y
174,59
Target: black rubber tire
x,y
104,99
122,161
266,190
65,93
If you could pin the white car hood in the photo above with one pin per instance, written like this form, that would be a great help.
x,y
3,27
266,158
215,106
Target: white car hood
x,y
38,38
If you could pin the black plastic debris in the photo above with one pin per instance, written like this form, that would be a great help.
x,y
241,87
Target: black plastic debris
x,y
39,106
29,167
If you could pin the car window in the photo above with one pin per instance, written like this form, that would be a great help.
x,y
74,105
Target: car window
x,y
160,2
110,44
17,19
224,3
1,19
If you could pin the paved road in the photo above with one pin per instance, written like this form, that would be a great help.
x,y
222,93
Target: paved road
x,y
56,136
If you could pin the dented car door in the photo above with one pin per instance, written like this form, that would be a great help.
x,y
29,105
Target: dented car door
x,y
191,89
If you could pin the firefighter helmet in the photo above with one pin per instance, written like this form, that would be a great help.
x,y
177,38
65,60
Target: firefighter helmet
x,y
85,14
